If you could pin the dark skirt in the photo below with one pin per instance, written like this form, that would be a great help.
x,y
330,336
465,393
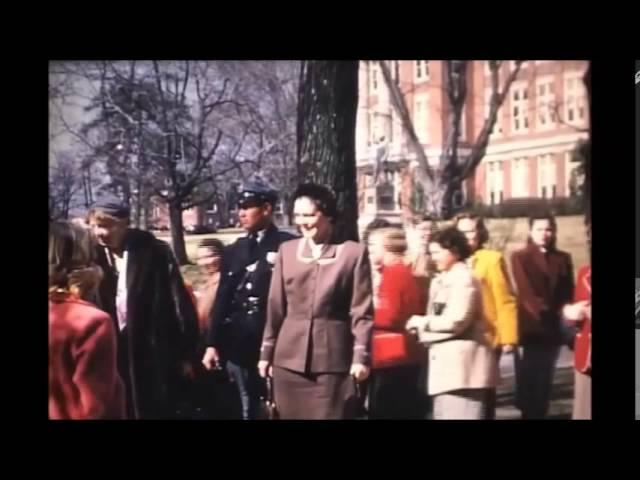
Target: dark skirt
x,y
394,393
314,396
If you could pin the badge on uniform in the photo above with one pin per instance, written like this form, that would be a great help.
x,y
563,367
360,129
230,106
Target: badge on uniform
x,y
252,268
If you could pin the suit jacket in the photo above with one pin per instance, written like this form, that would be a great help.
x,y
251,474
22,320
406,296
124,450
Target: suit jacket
x,y
83,376
319,317
544,286
239,311
162,329
460,355
498,301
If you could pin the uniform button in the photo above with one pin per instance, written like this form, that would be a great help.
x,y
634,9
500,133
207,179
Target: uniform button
x,y
249,286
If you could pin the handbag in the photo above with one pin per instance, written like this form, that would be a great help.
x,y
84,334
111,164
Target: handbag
x,y
354,407
394,348
268,409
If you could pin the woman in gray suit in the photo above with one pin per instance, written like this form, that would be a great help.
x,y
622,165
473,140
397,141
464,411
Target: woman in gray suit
x,y
319,315
461,365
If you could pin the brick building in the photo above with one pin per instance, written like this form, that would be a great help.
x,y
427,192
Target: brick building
x,y
542,118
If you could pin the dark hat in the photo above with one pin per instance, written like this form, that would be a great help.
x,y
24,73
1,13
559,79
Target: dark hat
x,y
113,209
257,192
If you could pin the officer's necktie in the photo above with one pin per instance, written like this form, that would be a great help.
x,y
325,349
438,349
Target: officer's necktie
x,y
253,246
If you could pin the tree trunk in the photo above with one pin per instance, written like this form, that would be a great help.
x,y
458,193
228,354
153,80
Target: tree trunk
x,y
327,107
177,234
439,197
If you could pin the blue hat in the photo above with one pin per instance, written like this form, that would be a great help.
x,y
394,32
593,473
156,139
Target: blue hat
x,y
114,209
256,192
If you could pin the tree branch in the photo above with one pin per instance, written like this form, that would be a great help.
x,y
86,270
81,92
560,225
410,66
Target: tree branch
x,y
184,85
400,105
479,148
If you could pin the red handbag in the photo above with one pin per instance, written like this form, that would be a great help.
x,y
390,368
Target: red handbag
x,y
390,349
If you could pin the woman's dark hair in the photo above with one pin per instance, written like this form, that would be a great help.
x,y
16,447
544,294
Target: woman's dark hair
x,y
321,196
214,244
453,240
72,265
483,231
375,224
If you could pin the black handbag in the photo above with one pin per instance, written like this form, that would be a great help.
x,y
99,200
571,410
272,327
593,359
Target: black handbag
x,y
355,408
268,409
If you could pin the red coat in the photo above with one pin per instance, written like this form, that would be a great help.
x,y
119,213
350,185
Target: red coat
x,y
83,378
399,297
582,346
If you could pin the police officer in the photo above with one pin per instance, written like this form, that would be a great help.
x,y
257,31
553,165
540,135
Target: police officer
x,y
239,313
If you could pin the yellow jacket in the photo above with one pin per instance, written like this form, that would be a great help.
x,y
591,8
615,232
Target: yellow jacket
x,y
498,300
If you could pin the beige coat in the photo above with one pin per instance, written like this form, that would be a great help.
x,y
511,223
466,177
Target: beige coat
x,y
459,353
320,311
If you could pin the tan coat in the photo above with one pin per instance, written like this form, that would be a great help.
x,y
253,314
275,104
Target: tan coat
x,y
460,355
320,312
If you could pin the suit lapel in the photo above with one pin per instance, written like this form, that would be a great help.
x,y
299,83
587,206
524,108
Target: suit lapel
x,y
138,263
539,269
537,257
554,269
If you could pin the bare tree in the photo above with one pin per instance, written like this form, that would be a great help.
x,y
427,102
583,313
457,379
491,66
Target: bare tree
x,y
182,132
64,186
441,178
266,121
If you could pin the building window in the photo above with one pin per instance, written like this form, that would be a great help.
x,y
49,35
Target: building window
x,y
394,67
421,117
545,103
546,176
519,177
374,76
496,131
495,184
572,180
574,99
519,109
421,70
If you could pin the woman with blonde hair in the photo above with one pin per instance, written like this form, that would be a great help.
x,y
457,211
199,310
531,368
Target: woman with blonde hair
x,y
396,355
83,378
